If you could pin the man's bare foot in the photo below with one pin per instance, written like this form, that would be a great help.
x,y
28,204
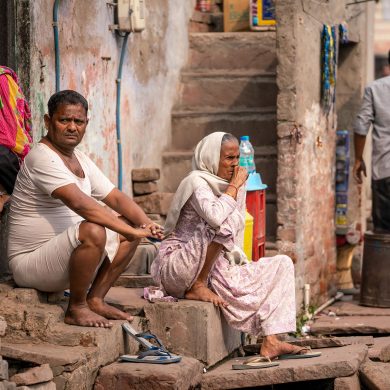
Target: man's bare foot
x,y
273,347
199,292
98,306
83,316
3,200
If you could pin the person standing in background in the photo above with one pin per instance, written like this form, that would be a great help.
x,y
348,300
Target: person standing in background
x,y
375,111
15,131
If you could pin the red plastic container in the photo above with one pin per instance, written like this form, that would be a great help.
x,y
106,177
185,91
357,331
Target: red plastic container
x,y
255,204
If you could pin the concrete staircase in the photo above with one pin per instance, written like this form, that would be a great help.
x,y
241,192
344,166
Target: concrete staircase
x,y
228,85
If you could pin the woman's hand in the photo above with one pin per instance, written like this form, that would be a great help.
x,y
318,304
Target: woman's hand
x,y
240,175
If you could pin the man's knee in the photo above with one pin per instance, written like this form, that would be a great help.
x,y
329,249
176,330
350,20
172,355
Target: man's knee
x,y
93,233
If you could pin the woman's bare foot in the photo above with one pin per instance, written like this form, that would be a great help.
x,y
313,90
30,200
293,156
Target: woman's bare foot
x,y
199,292
98,306
273,347
3,200
83,316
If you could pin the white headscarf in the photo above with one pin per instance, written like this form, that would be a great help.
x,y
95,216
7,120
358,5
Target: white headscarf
x,y
205,163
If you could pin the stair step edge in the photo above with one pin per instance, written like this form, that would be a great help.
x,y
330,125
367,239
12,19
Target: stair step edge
x,y
227,73
260,151
177,112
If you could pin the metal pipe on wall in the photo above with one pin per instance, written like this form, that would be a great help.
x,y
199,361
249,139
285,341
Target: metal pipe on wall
x,y
118,111
56,44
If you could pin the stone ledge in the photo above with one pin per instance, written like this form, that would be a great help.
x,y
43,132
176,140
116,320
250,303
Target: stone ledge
x,y
136,376
56,356
353,308
376,376
190,328
333,363
347,383
351,325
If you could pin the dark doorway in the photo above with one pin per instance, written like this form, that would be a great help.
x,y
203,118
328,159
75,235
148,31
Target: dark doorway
x,y
7,33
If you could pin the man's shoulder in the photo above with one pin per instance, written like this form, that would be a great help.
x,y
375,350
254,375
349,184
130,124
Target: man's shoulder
x,y
37,153
379,83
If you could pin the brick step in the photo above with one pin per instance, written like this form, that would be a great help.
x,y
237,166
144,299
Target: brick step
x,y
188,127
226,90
238,50
333,363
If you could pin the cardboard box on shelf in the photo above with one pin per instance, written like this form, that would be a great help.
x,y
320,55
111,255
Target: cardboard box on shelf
x,y
236,15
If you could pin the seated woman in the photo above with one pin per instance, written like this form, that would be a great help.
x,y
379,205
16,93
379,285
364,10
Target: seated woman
x,y
201,259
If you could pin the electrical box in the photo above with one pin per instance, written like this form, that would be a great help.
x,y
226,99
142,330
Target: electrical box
x,y
131,15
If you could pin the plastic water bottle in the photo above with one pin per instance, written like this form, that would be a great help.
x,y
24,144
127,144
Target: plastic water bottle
x,y
247,154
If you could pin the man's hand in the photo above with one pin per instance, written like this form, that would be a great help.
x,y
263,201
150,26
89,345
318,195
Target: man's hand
x,y
155,229
240,175
359,168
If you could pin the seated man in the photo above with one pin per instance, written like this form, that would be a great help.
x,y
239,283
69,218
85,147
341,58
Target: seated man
x,y
15,131
59,235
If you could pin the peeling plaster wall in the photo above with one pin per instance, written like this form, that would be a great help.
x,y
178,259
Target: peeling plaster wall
x,y
89,64
306,145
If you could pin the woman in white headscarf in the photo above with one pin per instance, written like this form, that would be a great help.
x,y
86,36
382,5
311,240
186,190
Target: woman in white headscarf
x,y
201,257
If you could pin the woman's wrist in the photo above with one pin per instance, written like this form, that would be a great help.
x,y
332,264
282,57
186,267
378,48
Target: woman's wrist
x,y
229,191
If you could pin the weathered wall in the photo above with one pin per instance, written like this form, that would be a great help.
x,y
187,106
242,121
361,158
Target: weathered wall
x,y
306,145
89,64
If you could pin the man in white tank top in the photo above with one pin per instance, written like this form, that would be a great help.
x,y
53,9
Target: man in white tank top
x,y
60,236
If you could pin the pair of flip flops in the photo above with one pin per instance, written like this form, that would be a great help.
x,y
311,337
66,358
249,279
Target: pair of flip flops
x,y
256,362
154,354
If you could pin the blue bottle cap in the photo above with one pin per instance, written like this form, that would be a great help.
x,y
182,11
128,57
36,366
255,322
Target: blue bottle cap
x,y
254,182
244,138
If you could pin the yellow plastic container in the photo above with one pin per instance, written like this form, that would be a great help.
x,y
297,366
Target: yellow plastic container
x,y
248,235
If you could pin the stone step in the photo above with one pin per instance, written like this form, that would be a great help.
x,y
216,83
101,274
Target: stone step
x,y
238,50
351,325
29,321
353,308
333,363
71,366
226,90
380,351
189,328
74,353
142,259
189,127
135,281
184,375
375,376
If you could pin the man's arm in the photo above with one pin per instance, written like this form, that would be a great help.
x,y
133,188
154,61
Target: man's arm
x,y
126,207
92,211
362,125
359,166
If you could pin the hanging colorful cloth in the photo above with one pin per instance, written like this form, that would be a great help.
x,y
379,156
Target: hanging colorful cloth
x,y
343,31
329,65
15,116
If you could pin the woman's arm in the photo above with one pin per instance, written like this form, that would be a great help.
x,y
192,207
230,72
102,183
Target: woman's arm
x,y
214,210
